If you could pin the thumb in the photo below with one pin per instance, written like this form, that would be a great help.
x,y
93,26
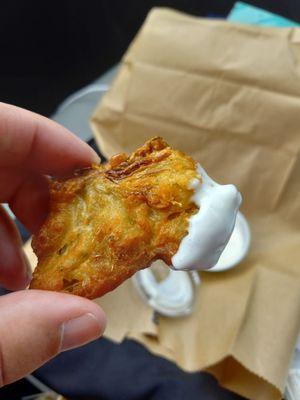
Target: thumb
x,y
36,325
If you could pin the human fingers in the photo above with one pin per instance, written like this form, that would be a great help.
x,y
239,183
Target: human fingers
x,y
33,142
37,325
14,267
27,195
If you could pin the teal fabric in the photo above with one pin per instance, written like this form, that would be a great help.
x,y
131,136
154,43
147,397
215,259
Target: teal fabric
x,y
247,14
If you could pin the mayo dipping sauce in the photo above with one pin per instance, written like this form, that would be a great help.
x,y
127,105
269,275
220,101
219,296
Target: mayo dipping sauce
x,y
237,247
211,227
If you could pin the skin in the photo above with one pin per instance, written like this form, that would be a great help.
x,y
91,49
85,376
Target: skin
x,y
32,147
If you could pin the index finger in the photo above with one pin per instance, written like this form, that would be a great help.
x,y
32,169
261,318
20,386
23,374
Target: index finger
x,y
33,142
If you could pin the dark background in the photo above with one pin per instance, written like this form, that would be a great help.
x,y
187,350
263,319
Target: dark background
x,y
50,49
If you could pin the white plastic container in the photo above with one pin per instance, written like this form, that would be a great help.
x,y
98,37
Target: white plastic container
x,y
170,293
237,248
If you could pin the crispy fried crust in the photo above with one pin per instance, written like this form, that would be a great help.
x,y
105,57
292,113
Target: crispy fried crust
x,y
107,222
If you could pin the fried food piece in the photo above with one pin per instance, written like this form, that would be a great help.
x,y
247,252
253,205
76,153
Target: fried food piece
x,y
107,222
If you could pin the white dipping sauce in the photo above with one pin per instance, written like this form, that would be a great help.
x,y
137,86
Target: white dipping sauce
x,y
237,247
233,249
211,227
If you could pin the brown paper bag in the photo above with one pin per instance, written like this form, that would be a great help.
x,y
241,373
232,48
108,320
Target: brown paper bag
x,y
229,95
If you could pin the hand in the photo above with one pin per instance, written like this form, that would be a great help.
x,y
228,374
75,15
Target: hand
x,y
35,325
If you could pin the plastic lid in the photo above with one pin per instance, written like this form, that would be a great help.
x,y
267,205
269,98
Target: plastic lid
x,y
171,295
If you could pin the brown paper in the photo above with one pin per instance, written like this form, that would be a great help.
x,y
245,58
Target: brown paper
x,y
229,95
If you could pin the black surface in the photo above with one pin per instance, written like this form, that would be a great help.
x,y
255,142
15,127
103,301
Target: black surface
x,y
17,390
50,49
104,370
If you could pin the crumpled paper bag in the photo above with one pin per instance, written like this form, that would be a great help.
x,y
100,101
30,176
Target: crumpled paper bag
x,y
229,95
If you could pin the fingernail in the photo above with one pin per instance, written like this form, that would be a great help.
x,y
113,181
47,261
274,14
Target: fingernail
x,y
80,330
28,278
28,270
96,159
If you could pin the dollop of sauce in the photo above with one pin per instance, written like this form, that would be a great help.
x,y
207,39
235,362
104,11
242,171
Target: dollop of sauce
x,y
211,227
